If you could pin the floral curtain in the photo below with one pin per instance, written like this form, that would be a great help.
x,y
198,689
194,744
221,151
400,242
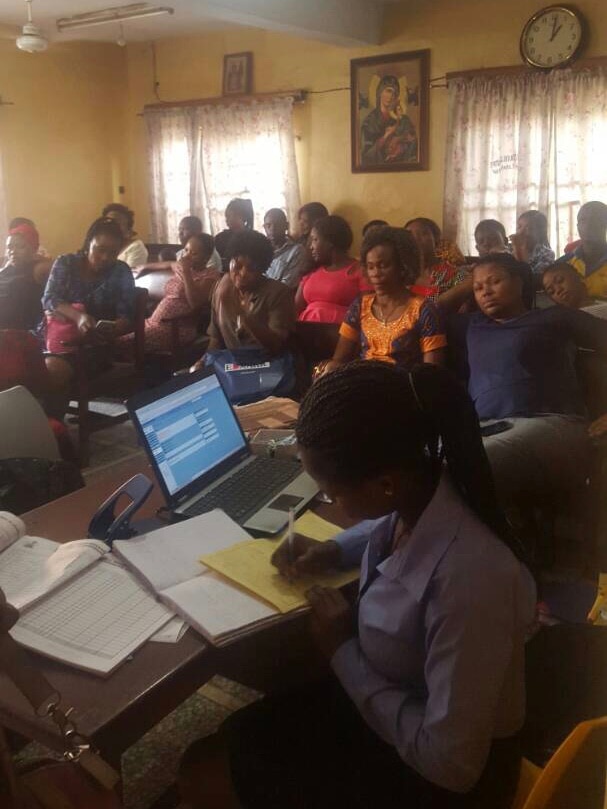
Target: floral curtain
x,y
200,157
516,142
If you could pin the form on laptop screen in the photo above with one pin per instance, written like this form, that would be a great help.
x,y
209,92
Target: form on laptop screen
x,y
190,431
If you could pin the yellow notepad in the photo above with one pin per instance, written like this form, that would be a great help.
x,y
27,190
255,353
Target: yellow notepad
x,y
248,564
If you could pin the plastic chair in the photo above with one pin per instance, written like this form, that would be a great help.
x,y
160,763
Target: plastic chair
x,y
574,778
24,427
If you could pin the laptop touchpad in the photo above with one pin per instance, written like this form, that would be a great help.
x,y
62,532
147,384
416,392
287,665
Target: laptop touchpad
x,y
284,502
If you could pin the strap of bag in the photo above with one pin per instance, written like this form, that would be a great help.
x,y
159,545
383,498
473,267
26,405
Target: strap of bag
x,y
46,701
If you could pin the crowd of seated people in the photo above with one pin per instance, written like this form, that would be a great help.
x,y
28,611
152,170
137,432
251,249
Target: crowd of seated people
x,y
440,724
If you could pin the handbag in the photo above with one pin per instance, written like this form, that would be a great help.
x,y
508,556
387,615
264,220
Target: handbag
x,y
250,374
82,779
62,335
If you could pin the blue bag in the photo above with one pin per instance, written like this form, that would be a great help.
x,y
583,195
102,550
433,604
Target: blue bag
x,y
251,374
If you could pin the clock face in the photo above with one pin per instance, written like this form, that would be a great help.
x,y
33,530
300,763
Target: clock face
x,y
552,37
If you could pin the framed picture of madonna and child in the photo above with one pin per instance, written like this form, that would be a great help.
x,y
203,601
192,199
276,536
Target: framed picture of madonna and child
x,y
390,100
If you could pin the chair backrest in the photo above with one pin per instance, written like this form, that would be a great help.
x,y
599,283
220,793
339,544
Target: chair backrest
x,y
317,341
155,283
24,427
155,248
574,778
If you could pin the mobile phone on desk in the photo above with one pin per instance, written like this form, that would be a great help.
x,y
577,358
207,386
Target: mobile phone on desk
x,y
495,428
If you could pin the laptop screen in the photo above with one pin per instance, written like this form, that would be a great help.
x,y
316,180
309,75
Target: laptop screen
x,y
190,431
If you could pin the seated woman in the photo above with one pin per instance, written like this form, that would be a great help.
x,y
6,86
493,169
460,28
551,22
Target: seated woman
x,y
248,309
390,323
324,295
522,370
436,275
134,252
307,217
446,250
490,237
240,217
20,290
186,296
426,696
565,287
94,292
530,242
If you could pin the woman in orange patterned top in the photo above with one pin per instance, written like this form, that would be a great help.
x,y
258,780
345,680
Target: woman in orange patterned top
x,y
390,323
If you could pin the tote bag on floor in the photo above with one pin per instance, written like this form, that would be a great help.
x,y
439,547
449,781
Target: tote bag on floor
x,y
250,374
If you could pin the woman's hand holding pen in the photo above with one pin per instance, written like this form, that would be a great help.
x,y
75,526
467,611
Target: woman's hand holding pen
x,y
305,556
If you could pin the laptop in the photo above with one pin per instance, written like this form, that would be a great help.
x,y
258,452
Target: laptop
x,y
203,461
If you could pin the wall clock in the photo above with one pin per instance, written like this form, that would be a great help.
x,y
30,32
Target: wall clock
x,y
552,37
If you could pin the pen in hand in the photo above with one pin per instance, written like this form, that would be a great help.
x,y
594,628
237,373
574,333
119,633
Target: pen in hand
x,y
291,536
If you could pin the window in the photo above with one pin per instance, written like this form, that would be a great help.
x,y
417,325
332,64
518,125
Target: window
x,y
525,141
201,157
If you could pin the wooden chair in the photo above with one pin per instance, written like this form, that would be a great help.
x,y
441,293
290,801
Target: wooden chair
x,y
574,778
154,248
122,379
180,354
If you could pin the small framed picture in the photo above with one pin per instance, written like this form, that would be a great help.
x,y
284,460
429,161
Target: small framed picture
x,y
237,74
389,111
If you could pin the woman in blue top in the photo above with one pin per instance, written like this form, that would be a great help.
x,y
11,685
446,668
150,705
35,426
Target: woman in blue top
x,y
426,696
522,369
85,288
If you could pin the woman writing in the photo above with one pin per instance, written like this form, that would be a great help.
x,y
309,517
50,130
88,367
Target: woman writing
x,y
323,296
426,697
390,323
83,289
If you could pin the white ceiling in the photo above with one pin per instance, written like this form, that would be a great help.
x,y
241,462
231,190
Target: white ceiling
x,y
340,21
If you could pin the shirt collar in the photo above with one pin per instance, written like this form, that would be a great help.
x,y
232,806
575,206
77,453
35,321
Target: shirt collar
x,y
284,247
432,536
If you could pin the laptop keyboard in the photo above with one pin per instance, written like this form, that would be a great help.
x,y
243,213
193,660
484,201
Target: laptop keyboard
x,y
245,492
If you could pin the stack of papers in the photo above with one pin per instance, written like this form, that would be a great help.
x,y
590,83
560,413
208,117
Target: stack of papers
x,y
248,565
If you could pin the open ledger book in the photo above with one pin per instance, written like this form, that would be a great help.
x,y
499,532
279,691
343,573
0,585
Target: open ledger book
x,y
220,607
77,605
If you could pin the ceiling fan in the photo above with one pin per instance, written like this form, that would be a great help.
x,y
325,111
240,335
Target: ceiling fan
x,y
32,38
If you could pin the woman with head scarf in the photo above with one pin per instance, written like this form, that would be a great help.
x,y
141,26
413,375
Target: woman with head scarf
x,y
20,292
388,135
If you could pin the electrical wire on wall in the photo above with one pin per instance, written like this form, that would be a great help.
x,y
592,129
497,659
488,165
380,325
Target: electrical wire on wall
x,y
156,83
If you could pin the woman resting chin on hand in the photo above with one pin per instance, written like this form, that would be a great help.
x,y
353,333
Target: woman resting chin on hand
x,y
426,697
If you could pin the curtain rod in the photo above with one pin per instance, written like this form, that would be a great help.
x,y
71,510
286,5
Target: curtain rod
x,y
298,96
582,64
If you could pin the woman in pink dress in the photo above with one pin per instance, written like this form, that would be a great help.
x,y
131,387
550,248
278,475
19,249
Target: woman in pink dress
x,y
186,295
325,295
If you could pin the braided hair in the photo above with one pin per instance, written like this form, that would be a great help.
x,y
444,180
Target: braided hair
x,y
413,415
102,227
404,246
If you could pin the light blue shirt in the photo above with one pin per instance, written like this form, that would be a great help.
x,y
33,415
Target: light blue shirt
x,y
289,263
438,668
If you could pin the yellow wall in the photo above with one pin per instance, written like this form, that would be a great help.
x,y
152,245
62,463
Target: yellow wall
x,y
462,34
63,141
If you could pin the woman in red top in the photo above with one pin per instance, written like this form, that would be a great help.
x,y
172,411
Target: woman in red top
x,y
325,295
438,275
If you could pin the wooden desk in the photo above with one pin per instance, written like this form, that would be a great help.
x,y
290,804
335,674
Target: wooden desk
x,y
117,711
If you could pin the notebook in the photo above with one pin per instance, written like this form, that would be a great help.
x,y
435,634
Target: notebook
x,y
216,606
77,604
203,461
248,565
